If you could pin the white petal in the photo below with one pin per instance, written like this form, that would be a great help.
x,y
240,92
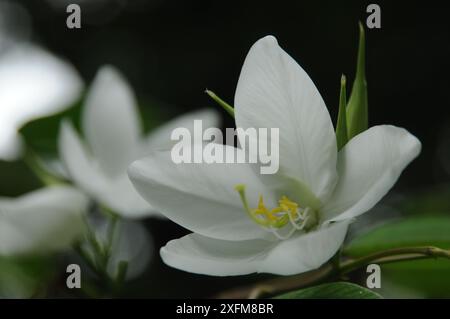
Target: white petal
x,y
275,92
110,121
200,197
305,252
80,166
116,192
368,166
202,255
33,84
160,137
121,196
43,221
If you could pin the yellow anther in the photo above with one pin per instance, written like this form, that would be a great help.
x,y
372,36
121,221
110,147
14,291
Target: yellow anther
x,y
289,206
276,217
264,211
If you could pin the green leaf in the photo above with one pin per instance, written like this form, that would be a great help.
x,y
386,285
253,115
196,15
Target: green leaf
x,y
41,134
430,201
227,107
426,278
22,277
341,126
338,290
357,110
415,231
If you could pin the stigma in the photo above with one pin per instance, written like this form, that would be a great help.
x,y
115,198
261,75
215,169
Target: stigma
x,y
282,220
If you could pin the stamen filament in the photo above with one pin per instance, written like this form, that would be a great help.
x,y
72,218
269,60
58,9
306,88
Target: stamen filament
x,y
274,220
240,188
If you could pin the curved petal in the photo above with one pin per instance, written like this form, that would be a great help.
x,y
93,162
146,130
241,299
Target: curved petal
x,y
275,92
202,255
368,166
305,252
81,168
200,197
110,121
33,83
115,192
160,137
121,196
43,221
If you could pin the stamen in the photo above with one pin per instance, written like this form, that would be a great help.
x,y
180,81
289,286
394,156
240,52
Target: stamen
x,y
273,220
240,188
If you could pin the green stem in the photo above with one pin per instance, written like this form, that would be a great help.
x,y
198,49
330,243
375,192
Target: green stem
x,y
394,255
330,270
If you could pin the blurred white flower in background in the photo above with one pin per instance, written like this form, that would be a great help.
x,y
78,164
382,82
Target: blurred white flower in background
x,y
114,138
43,221
33,84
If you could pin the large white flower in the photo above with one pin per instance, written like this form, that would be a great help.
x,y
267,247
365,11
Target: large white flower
x,y
33,84
289,222
111,126
43,221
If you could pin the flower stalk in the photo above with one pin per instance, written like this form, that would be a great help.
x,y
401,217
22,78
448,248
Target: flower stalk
x,y
331,270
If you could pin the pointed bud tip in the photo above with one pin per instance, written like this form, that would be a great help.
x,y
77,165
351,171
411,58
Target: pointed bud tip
x,y
361,29
343,79
360,25
210,93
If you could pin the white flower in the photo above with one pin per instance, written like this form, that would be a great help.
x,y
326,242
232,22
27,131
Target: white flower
x,y
290,222
33,84
111,126
43,221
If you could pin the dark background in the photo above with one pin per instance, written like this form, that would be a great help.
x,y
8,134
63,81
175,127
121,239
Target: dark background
x,y
172,50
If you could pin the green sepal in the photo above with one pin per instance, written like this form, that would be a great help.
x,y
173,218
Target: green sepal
x,y
357,109
341,126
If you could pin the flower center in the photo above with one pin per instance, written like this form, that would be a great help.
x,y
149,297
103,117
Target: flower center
x,y
282,220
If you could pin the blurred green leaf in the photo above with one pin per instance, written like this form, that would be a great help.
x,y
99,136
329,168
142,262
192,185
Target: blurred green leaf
x,y
23,277
414,231
429,278
41,135
338,290
341,126
357,109
433,200
16,179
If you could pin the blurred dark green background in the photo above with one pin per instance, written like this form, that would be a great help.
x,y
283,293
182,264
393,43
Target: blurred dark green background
x,y
170,51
